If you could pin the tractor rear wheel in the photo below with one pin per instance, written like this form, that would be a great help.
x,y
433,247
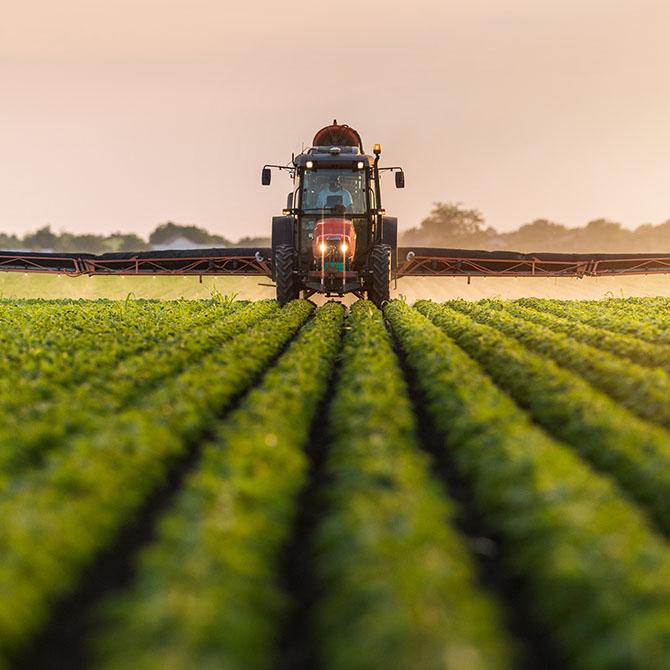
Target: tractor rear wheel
x,y
287,286
380,291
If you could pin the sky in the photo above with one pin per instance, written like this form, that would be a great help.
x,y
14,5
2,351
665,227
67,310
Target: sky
x,y
118,116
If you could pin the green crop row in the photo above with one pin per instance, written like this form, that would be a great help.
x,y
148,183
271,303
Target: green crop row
x,y
206,593
26,436
641,352
57,519
398,585
643,391
654,301
56,361
635,452
53,355
653,310
620,320
58,344
594,577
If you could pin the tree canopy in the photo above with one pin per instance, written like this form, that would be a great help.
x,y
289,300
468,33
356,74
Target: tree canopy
x,y
449,225
167,231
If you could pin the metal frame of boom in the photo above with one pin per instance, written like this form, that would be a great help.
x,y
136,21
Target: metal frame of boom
x,y
423,262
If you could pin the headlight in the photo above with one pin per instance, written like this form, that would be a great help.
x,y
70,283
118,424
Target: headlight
x,y
343,247
323,247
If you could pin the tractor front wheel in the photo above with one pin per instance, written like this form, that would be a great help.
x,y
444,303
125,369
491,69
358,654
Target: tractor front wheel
x,y
380,291
287,286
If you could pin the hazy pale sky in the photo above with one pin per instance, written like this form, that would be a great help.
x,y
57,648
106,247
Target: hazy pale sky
x,y
121,115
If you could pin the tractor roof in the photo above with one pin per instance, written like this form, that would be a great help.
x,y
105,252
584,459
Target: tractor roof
x,y
333,157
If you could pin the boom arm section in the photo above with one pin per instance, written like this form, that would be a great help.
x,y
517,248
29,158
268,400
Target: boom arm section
x,y
434,261
412,262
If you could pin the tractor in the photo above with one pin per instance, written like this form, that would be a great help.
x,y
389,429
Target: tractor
x,y
333,237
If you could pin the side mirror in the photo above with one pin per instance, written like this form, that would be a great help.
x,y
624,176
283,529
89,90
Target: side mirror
x,y
266,176
400,179
289,201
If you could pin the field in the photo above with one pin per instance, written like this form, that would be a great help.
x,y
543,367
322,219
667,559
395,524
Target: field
x,y
58,287
222,483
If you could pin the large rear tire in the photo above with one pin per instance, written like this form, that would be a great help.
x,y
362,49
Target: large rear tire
x,y
380,291
287,286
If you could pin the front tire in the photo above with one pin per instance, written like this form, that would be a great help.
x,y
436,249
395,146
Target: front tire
x,y
380,291
287,285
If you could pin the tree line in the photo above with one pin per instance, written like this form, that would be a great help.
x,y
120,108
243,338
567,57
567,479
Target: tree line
x,y
45,239
453,225
449,224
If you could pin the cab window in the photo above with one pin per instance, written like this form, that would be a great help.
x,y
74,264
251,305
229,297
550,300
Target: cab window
x,y
326,189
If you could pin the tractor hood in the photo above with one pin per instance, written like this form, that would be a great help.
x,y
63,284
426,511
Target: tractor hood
x,y
330,235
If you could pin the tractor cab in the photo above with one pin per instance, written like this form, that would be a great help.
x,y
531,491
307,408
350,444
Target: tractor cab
x,y
333,196
334,222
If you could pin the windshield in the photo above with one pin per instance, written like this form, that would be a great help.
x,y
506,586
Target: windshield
x,y
325,189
